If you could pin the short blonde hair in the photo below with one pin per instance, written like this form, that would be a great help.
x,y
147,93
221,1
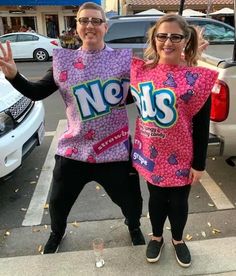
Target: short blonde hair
x,y
92,6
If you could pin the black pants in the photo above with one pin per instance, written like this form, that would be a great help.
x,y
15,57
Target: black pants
x,y
168,202
119,179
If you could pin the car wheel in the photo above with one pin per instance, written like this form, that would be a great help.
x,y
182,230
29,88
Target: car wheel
x,y
41,55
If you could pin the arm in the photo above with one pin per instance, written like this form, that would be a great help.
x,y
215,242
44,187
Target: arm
x,y
201,123
35,90
129,99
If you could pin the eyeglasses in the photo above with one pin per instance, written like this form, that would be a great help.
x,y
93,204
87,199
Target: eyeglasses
x,y
174,38
84,21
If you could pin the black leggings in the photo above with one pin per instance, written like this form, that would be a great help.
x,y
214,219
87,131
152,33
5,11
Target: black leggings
x,y
119,179
171,202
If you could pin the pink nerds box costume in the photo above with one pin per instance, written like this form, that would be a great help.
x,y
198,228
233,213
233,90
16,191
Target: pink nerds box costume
x,y
94,86
167,97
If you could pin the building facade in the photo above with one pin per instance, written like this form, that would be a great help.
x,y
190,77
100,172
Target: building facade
x,y
206,6
46,19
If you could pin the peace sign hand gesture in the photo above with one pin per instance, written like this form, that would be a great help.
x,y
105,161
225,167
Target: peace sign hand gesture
x,y
7,63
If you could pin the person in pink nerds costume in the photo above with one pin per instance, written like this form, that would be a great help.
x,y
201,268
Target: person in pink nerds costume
x,y
173,99
93,82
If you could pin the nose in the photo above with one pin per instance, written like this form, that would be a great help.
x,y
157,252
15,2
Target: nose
x,y
168,41
89,24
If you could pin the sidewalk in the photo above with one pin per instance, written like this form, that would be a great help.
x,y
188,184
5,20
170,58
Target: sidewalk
x,y
209,257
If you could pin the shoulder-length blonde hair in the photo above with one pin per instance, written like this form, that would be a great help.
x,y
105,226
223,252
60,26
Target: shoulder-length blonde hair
x,y
189,32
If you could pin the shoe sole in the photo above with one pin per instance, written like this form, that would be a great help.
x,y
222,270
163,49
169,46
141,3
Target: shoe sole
x,y
180,263
58,245
177,259
154,260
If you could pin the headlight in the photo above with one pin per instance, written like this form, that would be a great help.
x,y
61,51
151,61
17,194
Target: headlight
x,y
6,124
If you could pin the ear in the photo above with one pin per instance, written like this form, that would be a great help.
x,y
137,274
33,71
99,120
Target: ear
x,y
106,27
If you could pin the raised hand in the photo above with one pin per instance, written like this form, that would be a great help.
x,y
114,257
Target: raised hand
x,y
202,42
7,63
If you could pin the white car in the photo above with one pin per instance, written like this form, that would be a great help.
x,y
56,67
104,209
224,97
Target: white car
x,y
26,45
21,126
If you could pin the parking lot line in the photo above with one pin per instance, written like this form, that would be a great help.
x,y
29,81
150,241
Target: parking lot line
x,y
50,133
216,194
35,211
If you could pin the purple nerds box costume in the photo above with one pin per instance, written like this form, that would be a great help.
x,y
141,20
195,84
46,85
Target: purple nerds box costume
x,y
94,86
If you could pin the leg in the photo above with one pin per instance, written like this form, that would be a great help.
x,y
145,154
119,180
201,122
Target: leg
x,y
114,178
158,210
178,210
63,195
178,213
135,191
65,191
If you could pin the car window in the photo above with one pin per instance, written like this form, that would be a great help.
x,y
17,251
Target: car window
x,y
127,32
11,38
26,37
214,32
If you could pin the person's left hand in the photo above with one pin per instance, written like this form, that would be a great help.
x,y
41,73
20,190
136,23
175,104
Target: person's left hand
x,y
195,175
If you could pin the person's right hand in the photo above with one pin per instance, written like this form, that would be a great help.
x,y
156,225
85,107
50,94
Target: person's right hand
x,y
7,63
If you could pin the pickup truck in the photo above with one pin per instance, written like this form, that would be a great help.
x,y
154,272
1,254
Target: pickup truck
x,y
223,113
130,32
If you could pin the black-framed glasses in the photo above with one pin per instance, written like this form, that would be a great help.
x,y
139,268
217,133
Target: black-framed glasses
x,y
84,21
174,38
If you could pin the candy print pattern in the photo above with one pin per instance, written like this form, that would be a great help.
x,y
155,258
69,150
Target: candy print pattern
x,y
63,76
90,135
182,173
68,135
91,159
191,78
187,96
175,152
79,64
72,68
170,81
153,152
70,151
172,160
157,178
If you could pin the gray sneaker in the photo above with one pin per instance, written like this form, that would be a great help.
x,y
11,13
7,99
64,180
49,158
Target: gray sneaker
x,y
153,252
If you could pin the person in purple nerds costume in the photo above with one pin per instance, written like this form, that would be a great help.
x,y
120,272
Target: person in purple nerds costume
x,y
173,99
93,82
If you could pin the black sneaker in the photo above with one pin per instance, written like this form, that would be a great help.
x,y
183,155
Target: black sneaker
x,y
53,243
153,252
182,254
137,237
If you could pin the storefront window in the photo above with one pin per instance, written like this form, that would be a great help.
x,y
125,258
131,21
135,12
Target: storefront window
x,y
30,23
52,25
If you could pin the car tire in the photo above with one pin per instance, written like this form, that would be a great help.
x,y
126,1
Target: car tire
x,y
41,55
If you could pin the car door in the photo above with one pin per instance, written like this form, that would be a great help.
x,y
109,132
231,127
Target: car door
x,y
128,34
26,44
12,38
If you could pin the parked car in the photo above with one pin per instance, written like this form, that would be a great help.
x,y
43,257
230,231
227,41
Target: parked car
x,y
21,126
30,45
131,32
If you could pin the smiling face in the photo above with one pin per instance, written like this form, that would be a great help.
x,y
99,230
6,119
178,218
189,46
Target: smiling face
x,y
170,51
92,36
